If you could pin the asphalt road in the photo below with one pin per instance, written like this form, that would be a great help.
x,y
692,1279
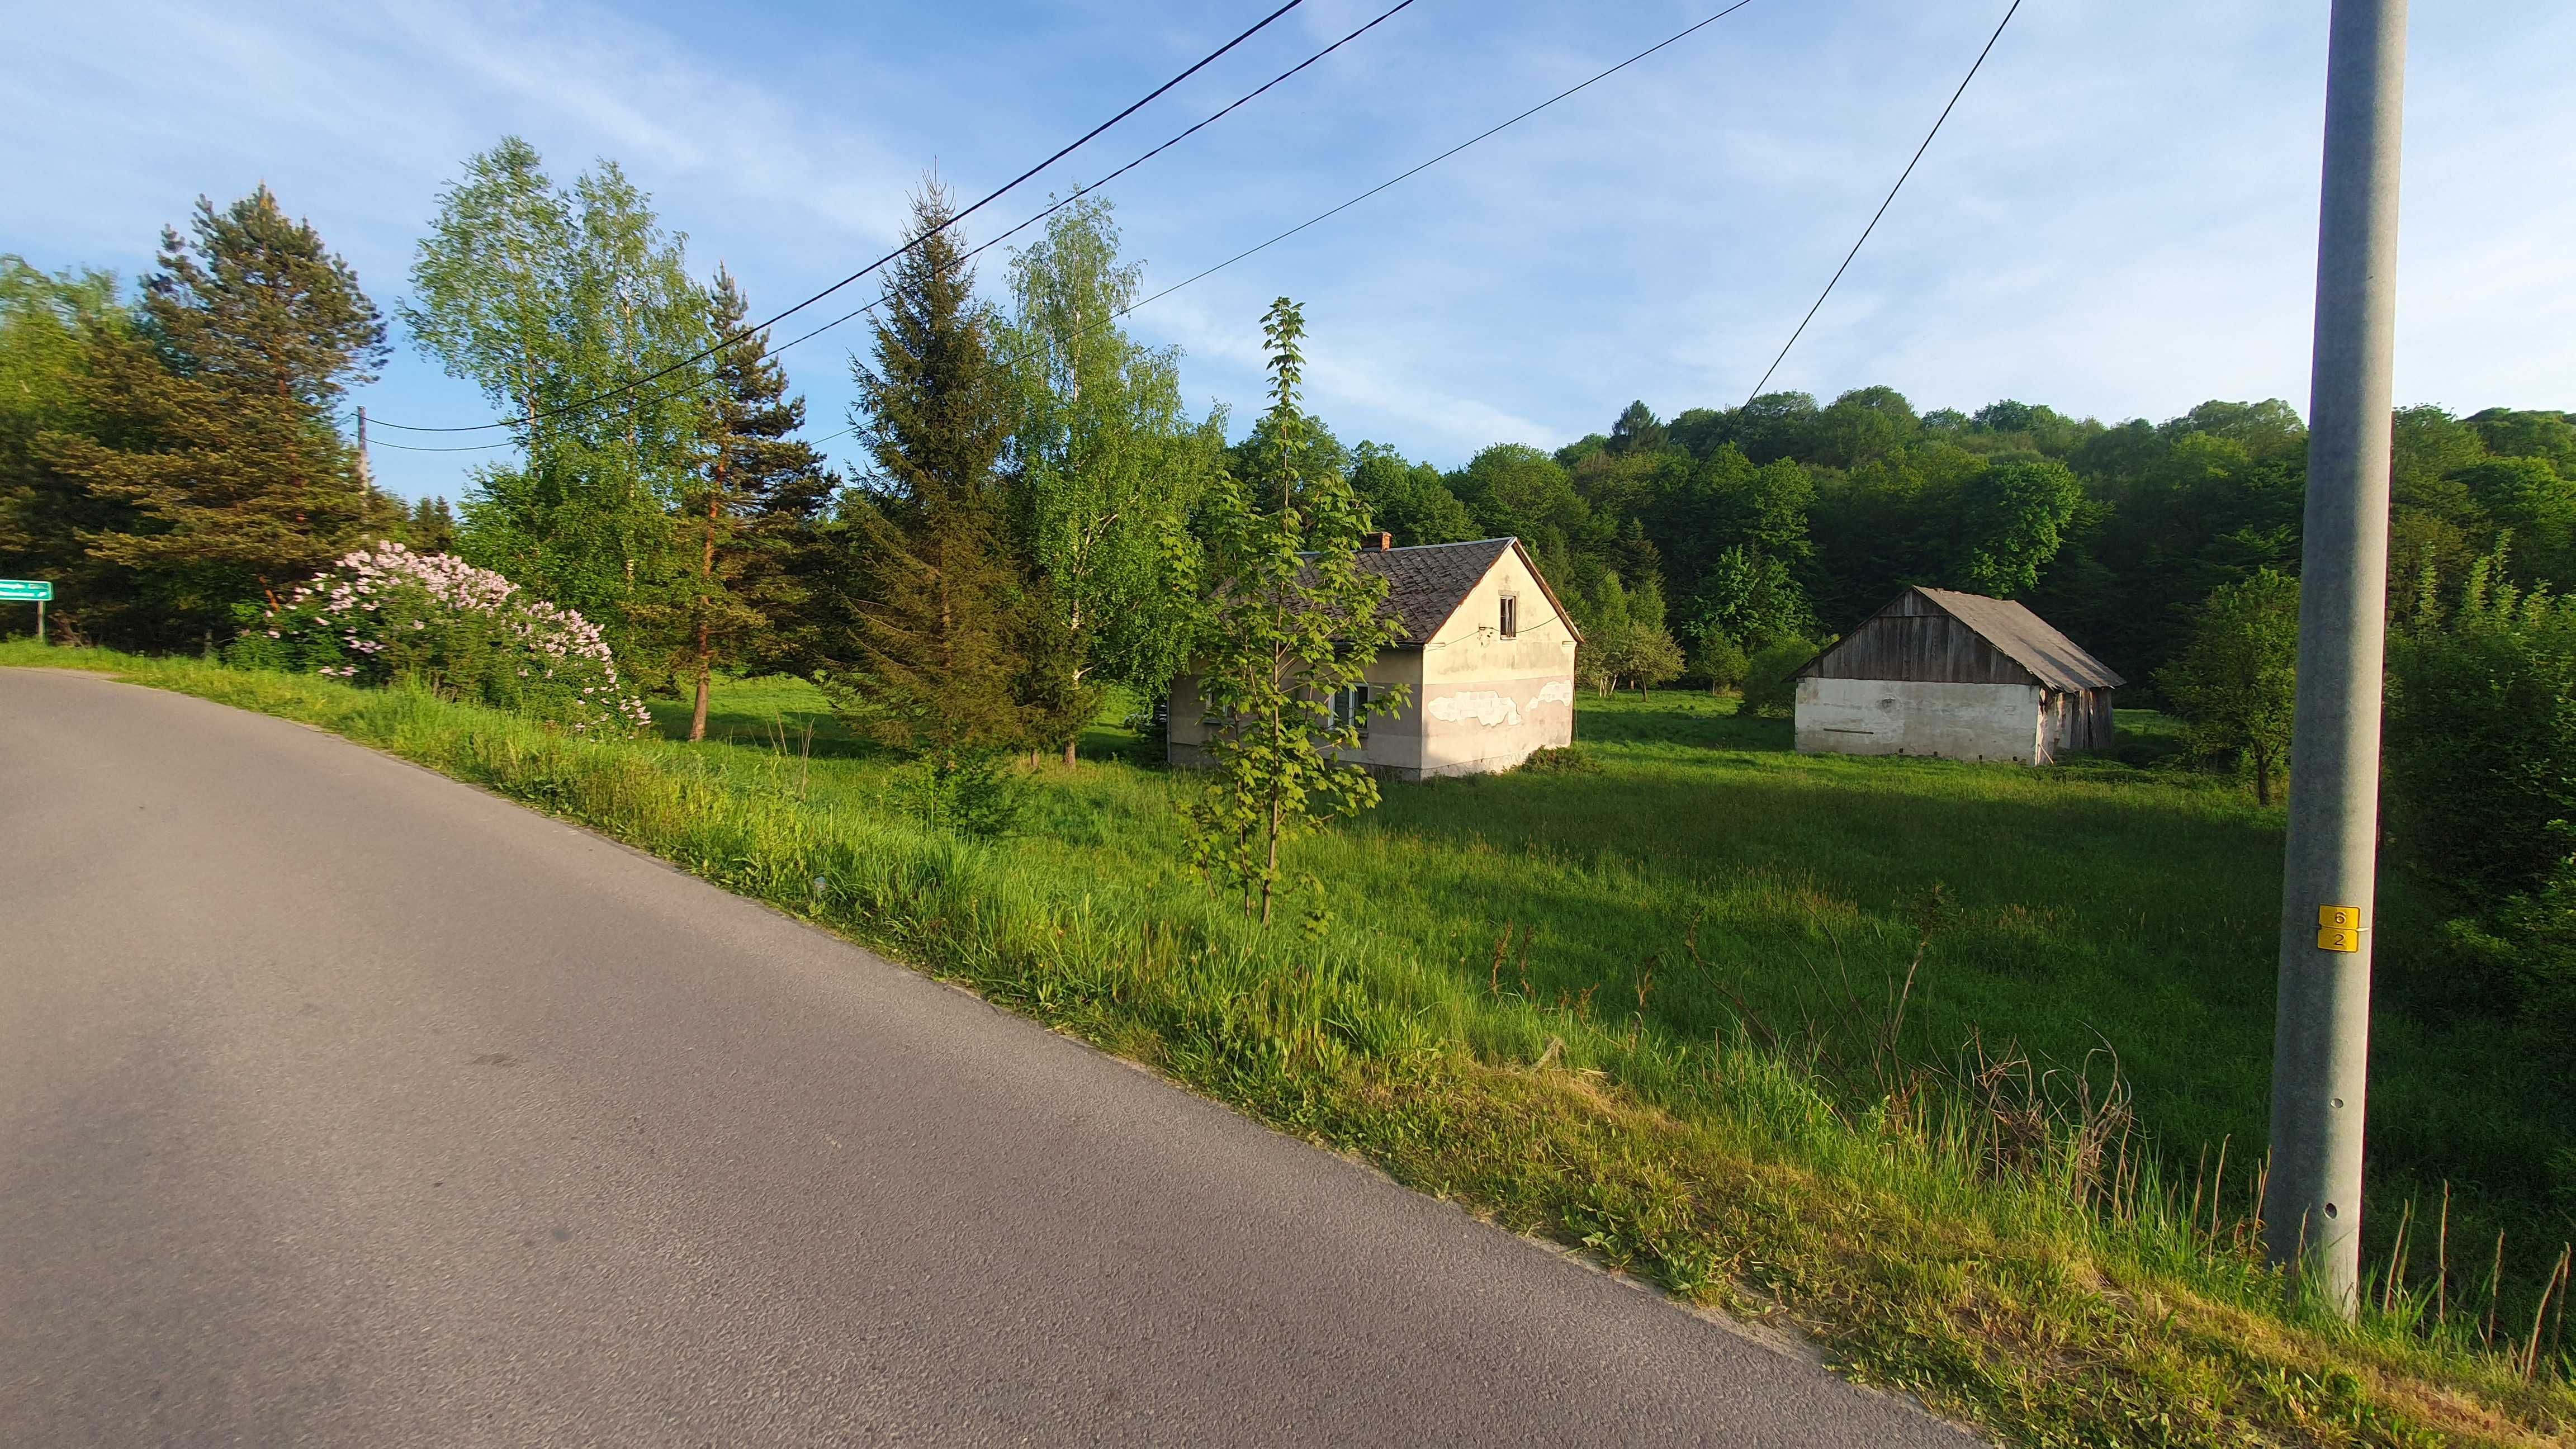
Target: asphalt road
x,y
343,1104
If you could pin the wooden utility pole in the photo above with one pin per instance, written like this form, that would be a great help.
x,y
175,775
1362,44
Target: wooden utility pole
x,y
366,474
2321,1045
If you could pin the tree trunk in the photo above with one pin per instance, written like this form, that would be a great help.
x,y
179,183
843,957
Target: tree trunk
x,y
2262,778
706,577
1068,754
1270,874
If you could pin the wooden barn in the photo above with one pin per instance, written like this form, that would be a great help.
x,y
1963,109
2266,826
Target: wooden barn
x,y
1956,675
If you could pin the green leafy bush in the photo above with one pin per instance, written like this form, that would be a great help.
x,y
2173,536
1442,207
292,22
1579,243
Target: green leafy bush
x,y
1563,760
1770,679
971,792
2481,746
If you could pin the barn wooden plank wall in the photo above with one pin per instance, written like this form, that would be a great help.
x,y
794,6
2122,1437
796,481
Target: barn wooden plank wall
x,y
1927,646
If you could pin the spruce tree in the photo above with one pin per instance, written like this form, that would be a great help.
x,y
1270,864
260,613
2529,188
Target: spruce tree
x,y
931,654
216,413
751,511
432,526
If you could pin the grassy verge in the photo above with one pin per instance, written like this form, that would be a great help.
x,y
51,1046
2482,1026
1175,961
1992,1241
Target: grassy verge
x,y
1628,1069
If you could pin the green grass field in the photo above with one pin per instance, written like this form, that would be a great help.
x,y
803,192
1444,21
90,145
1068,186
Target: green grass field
x,y
1645,1010
2098,913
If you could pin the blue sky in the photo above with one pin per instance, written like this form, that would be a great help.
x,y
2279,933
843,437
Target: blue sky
x,y
2119,219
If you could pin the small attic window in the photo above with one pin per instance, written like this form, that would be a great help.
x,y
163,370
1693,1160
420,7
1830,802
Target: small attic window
x,y
1510,623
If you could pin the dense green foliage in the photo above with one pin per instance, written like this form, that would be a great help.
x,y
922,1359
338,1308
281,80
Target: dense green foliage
x,y
2236,680
547,297
755,502
1786,518
2482,768
1105,465
203,463
942,651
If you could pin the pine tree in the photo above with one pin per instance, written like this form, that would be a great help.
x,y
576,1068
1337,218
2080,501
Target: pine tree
x,y
217,409
931,655
753,508
432,526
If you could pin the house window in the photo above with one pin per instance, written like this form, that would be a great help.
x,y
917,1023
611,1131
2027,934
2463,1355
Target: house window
x,y
1511,620
1350,707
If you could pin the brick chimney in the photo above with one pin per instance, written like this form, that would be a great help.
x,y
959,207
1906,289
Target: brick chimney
x,y
1381,541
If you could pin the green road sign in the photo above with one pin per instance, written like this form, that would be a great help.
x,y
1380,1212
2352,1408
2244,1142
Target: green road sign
x,y
26,591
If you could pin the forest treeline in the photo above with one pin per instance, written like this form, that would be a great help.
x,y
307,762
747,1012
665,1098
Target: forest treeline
x,y
1040,515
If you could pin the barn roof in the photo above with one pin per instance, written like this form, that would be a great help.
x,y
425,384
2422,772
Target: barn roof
x,y
2018,634
1427,583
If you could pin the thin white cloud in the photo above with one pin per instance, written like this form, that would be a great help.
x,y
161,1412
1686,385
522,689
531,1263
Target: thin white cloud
x,y
2118,220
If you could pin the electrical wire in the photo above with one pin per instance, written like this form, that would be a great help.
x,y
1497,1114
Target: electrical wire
x,y
417,448
971,253
1080,192
1674,38
1677,36
1068,149
1883,205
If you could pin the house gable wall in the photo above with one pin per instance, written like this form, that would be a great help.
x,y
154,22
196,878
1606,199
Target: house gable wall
x,y
1486,702
1474,700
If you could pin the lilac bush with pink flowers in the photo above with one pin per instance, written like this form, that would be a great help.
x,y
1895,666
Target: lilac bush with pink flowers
x,y
385,612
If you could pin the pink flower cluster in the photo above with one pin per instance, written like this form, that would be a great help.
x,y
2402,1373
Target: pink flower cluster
x,y
349,604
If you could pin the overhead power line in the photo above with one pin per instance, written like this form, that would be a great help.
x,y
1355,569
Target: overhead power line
x,y
1601,75
1676,37
1595,78
1051,209
418,448
1066,150
1883,205
1081,192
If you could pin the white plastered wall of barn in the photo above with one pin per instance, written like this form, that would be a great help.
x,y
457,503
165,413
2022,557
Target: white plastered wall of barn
x,y
1910,717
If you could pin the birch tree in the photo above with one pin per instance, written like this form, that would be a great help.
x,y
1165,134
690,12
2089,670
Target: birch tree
x,y
1104,460
553,299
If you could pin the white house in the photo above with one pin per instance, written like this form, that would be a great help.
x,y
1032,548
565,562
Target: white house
x,y
1486,661
1956,675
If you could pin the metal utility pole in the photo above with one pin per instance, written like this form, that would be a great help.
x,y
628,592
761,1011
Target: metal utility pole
x,y
2321,1046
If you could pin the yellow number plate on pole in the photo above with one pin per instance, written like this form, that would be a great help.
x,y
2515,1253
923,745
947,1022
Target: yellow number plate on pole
x,y
2339,928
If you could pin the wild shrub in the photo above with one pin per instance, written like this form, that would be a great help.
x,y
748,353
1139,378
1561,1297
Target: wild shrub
x,y
385,613
2481,747
1770,680
1562,760
971,792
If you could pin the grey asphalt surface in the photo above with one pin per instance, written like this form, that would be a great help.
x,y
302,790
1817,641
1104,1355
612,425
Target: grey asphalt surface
x,y
343,1104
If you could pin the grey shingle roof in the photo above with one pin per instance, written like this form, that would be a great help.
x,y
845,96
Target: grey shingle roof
x,y
2027,639
1427,582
